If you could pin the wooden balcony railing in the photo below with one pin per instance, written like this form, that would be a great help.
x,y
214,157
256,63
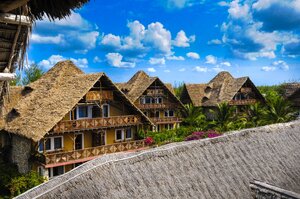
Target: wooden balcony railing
x,y
94,123
243,102
99,96
151,92
157,106
89,153
165,120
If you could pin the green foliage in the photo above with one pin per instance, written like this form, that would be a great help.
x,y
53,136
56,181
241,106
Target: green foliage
x,y
17,81
178,87
224,118
31,74
194,116
266,90
22,183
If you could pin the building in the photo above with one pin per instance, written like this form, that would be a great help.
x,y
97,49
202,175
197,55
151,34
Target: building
x,y
66,118
155,98
222,88
229,166
291,92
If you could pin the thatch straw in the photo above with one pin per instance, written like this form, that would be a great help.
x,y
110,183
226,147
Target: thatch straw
x,y
221,167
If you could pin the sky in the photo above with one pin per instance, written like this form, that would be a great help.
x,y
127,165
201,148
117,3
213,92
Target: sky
x,y
177,40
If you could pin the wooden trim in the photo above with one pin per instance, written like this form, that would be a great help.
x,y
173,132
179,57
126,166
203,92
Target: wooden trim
x,y
12,5
15,19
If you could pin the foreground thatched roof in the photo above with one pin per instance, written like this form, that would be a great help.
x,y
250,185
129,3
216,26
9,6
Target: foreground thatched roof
x,y
221,88
46,101
221,167
139,83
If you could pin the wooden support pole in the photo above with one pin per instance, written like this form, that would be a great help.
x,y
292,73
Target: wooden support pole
x,y
7,76
7,6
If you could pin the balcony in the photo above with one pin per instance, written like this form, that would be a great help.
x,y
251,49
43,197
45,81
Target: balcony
x,y
96,123
165,120
154,92
243,102
82,155
157,106
99,96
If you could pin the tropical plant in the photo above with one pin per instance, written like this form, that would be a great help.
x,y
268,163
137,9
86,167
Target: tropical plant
x,y
279,110
256,115
194,116
31,74
223,117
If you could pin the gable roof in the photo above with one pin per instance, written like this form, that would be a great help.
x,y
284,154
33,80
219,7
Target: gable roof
x,y
50,98
221,88
290,89
221,167
139,83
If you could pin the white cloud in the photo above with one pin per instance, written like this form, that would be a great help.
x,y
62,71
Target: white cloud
x,y
53,59
210,59
157,61
97,59
238,11
200,69
36,38
223,3
215,42
193,55
115,59
111,40
177,58
182,70
218,69
167,71
281,64
181,39
151,70
268,68
88,39
226,63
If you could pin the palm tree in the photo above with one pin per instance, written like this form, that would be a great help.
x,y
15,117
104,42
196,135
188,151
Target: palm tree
x,y
279,110
223,117
194,116
256,115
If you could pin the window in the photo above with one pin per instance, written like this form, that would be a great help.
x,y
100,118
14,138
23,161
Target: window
x,y
52,143
169,113
82,111
157,114
40,170
148,100
56,171
41,145
128,134
105,110
119,135
96,112
142,100
169,126
159,100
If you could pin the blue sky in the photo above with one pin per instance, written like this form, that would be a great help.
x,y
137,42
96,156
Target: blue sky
x,y
177,40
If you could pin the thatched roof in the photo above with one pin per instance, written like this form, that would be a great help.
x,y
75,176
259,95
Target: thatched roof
x,y
221,88
290,89
221,167
139,83
16,18
46,101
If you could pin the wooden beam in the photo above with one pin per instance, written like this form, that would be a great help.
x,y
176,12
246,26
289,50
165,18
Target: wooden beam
x,y
8,6
7,76
15,19
13,48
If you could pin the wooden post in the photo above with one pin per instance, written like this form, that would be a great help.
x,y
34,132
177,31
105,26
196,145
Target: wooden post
x,y
7,76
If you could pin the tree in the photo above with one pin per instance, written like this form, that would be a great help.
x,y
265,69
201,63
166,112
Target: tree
x,y
178,88
256,115
31,74
194,116
223,117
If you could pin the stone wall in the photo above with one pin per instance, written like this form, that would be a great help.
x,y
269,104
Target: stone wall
x,y
20,153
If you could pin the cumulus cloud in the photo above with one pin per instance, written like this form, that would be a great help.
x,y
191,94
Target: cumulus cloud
x,y
254,29
177,58
36,38
193,55
53,59
182,40
268,68
97,59
151,70
157,61
180,4
210,59
115,59
226,63
214,42
200,69
281,65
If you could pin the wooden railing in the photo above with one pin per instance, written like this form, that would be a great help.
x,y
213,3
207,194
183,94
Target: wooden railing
x,y
243,102
94,123
165,120
157,106
68,156
99,96
151,92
